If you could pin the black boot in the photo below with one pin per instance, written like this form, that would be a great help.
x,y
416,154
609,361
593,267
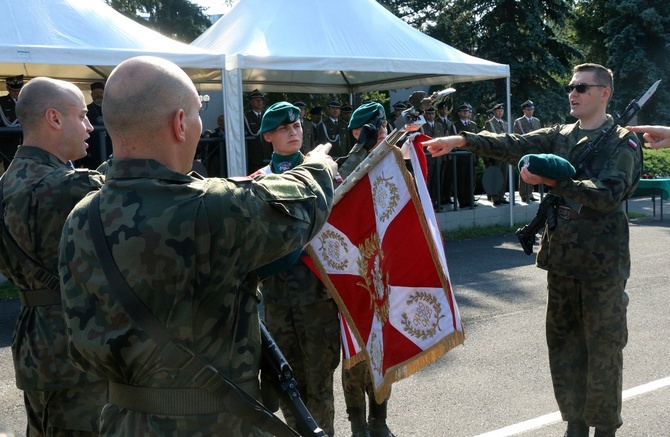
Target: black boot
x,y
359,428
605,433
577,428
377,420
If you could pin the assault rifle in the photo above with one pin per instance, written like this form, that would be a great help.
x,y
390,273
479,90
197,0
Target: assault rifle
x,y
546,212
286,387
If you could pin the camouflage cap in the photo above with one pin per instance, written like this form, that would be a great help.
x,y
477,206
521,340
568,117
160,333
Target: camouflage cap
x,y
278,114
547,165
366,113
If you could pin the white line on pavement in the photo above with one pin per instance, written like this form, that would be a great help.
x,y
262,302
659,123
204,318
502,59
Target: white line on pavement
x,y
554,417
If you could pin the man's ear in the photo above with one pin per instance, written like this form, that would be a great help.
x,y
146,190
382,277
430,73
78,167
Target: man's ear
x,y
53,118
179,125
267,137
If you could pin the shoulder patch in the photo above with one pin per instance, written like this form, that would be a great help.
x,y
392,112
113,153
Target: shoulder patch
x,y
632,144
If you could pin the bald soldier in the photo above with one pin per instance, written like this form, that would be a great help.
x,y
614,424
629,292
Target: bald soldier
x,y
188,248
40,188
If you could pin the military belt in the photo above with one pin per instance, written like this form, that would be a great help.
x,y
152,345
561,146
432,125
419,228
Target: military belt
x,y
39,298
567,213
166,401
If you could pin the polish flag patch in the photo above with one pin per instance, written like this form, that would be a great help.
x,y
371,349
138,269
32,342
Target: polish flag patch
x,y
633,144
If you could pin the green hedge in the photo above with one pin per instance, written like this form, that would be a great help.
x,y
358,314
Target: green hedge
x,y
657,162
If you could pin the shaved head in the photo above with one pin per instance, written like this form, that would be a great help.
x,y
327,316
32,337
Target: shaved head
x,y
143,93
41,94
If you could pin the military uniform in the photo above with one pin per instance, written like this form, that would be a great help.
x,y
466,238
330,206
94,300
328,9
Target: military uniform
x,y
188,247
258,150
499,127
588,262
524,125
463,175
435,130
308,136
39,192
303,319
8,141
332,131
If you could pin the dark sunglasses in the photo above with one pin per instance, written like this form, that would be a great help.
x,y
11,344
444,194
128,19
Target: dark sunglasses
x,y
580,87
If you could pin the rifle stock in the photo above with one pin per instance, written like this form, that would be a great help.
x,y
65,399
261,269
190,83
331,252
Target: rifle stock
x,y
286,386
546,214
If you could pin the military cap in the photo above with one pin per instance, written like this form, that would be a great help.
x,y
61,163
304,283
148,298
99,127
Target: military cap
x,y
442,104
399,105
498,106
366,113
255,93
278,114
547,165
14,83
464,107
527,104
430,110
97,86
366,101
334,104
315,110
300,104
347,109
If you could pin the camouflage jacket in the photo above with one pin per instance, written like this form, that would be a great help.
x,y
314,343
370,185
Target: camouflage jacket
x,y
186,246
39,192
594,247
296,286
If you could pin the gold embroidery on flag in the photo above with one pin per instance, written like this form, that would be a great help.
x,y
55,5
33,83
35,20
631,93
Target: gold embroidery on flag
x,y
426,320
376,349
385,196
375,283
332,248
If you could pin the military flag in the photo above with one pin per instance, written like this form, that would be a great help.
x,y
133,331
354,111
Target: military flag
x,y
381,257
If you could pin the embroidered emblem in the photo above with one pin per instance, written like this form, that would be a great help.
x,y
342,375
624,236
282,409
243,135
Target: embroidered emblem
x,y
376,350
385,196
284,166
425,322
333,250
526,161
370,269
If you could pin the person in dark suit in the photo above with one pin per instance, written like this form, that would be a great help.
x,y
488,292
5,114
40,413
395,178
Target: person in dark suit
x,y
524,125
330,132
258,151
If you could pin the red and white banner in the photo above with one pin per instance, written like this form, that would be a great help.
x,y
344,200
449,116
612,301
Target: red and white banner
x,y
382,259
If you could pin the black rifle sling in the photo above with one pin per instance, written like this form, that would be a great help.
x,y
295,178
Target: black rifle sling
x,y
41,273
174,354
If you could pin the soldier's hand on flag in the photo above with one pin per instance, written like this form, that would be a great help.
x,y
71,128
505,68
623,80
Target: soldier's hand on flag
x,y
657,137
320,154
442,146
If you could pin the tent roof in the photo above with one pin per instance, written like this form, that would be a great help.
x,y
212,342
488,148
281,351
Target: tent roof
x,y
83,40
335,46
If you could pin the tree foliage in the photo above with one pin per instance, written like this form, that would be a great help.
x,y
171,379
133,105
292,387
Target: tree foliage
x,y
178,19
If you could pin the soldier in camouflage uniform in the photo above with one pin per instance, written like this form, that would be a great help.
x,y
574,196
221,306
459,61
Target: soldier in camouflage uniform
x,y
586,256
188,247
299,312
40,189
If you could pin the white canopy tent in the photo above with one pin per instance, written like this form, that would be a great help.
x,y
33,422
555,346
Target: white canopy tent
x,y
329,46
83,40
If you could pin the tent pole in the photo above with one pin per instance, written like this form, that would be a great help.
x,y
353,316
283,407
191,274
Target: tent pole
x,y
511,171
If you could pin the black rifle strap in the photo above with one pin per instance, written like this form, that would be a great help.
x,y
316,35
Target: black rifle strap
x,y
176,355
42,274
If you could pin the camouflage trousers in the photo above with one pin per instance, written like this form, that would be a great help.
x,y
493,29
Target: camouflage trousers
x,y
356,383
309,338
72,412
586,334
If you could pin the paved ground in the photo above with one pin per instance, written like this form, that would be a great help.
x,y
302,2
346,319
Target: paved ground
x,y
498,383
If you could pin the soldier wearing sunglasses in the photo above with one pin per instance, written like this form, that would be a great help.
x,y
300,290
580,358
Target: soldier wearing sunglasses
x,y
586,256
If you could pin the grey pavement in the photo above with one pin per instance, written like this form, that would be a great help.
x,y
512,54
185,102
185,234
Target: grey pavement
x,y
499,379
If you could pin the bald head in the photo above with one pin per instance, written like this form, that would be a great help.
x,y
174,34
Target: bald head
x,y
143,93
41,94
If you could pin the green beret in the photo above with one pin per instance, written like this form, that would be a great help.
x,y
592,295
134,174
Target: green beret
x,y
278,114
366,113
547,165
